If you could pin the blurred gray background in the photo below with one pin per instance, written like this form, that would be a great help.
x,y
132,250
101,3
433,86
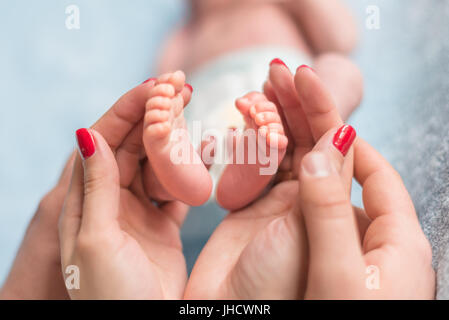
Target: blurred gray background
x,y
54,81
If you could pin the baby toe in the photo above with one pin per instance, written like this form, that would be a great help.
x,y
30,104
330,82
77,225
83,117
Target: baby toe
x,y
277,140
155,116
163,89
158,102
158,130
262,106
265,118
177,80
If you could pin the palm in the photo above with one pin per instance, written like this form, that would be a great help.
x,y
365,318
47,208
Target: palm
x,y
142,252
232,261
152,246
389,257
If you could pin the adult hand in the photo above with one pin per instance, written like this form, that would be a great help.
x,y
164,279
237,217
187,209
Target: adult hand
x,y
36,271
124,244
385,257
261,252
40,247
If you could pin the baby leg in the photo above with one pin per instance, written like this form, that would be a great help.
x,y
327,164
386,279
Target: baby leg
x,y
327,24
343,79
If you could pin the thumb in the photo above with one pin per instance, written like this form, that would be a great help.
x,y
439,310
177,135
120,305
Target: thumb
x,y
101,180
325,202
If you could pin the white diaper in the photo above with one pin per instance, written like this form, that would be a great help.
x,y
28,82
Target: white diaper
x,y
219,83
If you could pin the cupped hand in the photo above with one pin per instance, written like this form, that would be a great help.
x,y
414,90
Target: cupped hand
x,y
121,126
261,252
305,240
383,256
125,244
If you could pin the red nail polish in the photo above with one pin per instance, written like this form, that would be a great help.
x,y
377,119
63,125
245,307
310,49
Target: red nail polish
x,y
344,138
305,66
278,61
86,143
188,86
148,80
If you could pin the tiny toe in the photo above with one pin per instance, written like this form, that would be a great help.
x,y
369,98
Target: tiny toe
x,y
255,96
158,130
263,131
262,106
163,89
264,118
177,80
156,115
276,127
253,112
158,102
276,140
243,105
177,105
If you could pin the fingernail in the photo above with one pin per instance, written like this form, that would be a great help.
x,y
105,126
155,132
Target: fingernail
x,y
86,144
344,138
278,61
188,86
317,165
148,80
305,66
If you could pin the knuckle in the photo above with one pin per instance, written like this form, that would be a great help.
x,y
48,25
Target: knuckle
x,y
91,242
86,244
94,181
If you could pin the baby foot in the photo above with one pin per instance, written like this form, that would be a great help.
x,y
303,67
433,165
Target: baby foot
x,y
174,161
240,184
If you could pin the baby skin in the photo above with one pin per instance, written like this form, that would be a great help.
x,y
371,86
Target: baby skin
x,y
177,168
263,139
165,132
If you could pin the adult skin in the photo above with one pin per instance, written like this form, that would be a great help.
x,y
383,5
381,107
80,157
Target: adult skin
x,y
289,244
262,251
121,126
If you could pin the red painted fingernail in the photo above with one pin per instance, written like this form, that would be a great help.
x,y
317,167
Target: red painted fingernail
x,y
278,61
344,138
188,86
305,66
86,144
148,80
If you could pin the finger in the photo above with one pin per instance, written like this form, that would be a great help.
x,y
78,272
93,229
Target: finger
x,y
128,155
325,204
176,210
383,190
66,175
70,219
121,118
316,102
338,142
186,94
363,221
281,80
101,183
